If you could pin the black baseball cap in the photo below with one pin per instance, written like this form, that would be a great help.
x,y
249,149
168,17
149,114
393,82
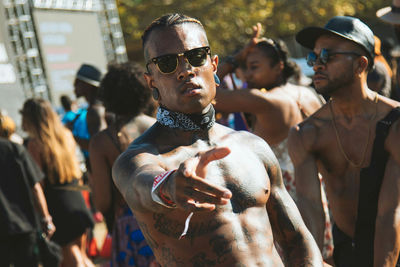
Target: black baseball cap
x,y
349,28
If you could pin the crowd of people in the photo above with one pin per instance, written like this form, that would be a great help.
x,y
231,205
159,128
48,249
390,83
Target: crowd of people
x,y
305,175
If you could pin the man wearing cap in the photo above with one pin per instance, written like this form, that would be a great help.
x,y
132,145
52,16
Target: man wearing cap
x,y
354,142
204,194
91,120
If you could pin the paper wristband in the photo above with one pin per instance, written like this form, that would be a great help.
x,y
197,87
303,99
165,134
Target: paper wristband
x,y
158,180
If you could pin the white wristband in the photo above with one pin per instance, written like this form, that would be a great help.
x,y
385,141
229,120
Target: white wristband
x,y
158,180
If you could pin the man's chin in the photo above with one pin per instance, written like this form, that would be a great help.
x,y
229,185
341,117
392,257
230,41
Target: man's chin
x,y
323,90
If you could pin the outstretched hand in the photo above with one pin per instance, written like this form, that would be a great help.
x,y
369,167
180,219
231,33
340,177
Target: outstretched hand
x,y
188,188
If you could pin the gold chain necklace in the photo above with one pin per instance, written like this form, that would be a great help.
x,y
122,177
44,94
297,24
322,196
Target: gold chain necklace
x,y
369,133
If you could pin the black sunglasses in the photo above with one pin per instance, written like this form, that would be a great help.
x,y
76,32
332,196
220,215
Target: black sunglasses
x,y
167,64
325,55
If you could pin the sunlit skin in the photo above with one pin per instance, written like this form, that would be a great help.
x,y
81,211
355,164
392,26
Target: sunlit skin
x,y
188,90
275,109
314,149
339,72
260,72
233,218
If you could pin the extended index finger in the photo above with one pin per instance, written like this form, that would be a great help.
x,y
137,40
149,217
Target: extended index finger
x,y
211,155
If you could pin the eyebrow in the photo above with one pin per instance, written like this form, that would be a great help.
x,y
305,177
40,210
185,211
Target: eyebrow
x,y
254,61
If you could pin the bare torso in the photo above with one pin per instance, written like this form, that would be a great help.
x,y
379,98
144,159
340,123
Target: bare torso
x,y
236,234
341,178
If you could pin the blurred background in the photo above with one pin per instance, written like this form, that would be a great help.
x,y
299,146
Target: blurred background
x,y
43,42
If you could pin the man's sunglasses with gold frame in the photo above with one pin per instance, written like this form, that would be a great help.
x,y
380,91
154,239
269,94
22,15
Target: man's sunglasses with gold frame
x,y
168,64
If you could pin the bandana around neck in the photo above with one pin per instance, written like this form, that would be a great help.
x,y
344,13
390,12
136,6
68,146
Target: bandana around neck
x,y
186,122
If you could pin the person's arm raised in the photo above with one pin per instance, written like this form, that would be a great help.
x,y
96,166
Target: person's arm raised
x,y
186,187
387,228
240,57
298,245
308,188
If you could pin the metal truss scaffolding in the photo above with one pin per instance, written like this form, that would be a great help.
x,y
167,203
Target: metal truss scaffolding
x,y
25,42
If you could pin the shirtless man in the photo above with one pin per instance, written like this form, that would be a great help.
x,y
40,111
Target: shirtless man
x,y
232,199
337,141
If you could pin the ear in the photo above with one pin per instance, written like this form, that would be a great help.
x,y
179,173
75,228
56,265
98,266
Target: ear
x,y
149,80
363,64
279,67
214,62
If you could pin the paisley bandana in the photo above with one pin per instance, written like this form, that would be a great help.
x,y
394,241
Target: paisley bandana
x,y
186,122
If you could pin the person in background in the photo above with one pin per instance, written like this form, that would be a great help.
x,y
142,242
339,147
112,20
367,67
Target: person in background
x,y
271,104
53,148
124,93
21,196
378,80
69,108
391,15
90,120
354,142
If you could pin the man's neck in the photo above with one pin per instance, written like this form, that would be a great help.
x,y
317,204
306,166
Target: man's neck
x,y
186,122
353,100
186,129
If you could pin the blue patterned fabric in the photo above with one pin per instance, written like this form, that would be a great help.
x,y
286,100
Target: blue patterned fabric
x,y
129,247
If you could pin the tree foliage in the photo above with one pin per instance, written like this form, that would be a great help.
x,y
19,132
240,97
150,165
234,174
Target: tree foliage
x,y
228,22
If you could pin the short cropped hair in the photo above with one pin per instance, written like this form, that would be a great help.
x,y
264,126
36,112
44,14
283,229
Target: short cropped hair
x,y
166,21
123,89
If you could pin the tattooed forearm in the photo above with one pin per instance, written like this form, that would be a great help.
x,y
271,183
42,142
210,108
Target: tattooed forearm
x,y
296,242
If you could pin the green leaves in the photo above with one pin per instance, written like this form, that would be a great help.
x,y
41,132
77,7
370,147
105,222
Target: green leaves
x,y
228,22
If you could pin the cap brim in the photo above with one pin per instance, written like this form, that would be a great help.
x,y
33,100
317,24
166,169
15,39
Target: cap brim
x,y
89,81
388,16
309,35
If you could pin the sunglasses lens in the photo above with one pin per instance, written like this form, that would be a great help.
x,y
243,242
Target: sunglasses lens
x,y
167,64
311,59
324,56
197,57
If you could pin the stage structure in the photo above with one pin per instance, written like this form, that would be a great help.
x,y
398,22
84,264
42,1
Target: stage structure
x,y
43,43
